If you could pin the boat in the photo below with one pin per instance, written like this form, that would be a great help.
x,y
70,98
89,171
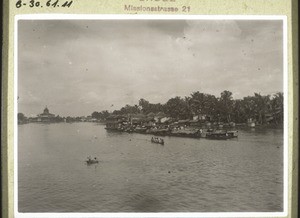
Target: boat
x,y
117,129
191,133
162,132
90,161
157,141
221,135
218,135
140,129
233,133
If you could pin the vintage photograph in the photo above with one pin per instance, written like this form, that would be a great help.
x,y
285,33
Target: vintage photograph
x,y
150,115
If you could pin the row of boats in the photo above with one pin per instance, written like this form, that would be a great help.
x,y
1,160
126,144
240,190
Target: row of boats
x,y
180,132
221,134
217,135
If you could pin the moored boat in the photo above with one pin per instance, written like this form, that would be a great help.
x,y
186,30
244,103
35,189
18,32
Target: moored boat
x,y
233,133
140,129
218,136
221,135
158,131
191,133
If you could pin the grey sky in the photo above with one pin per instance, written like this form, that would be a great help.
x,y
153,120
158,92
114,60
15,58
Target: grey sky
x,y
80,66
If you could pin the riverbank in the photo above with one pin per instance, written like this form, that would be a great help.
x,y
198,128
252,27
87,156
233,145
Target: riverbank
x,y
206,130
189,132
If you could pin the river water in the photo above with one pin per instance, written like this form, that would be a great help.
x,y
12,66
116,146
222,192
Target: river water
x,y
135,175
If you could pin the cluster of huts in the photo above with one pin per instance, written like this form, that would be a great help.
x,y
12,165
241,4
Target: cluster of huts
x,y
160,124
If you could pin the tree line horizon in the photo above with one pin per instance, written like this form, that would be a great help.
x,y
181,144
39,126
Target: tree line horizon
x,y
262,109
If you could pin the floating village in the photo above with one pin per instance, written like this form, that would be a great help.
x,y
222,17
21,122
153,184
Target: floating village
x,y
155,124
197,116
161,125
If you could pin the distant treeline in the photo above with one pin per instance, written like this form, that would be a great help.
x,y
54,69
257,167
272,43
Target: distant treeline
x,y
23,119
262,109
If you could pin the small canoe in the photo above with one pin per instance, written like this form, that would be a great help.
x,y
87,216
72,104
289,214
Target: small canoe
x,y
92,161
158,142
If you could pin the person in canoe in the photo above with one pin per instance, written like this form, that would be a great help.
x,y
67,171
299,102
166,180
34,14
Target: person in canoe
x,y
152,139
91,161
161,141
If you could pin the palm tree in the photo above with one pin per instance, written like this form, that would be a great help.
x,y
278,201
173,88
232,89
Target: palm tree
x,y
201,103
262,104
238,111
226,105
177,108
277,107
248,107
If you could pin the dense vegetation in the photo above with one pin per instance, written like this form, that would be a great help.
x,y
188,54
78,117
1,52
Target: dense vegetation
x,y
261,108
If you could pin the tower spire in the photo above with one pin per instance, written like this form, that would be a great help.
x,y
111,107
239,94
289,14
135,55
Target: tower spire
x,y
46,110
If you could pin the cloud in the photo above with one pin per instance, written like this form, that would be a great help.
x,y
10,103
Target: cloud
x,y
79,66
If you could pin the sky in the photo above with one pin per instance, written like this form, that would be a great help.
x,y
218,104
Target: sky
x,y
76,67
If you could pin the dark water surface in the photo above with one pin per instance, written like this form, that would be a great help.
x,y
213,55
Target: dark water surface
x,y
135,175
